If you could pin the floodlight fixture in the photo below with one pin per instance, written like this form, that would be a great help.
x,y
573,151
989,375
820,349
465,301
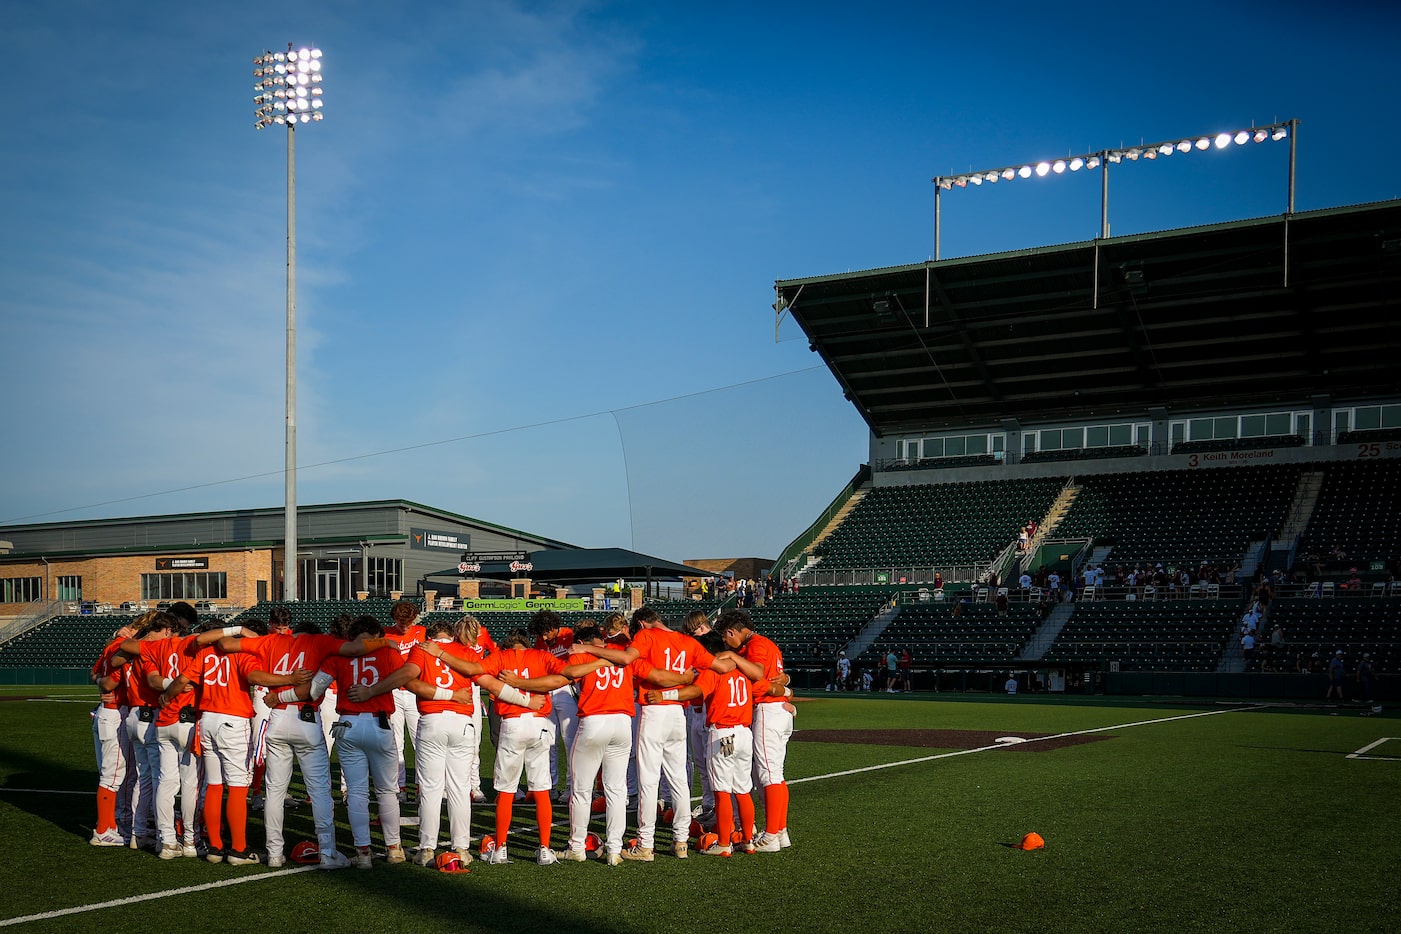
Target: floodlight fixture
x,y
289,93
1104,158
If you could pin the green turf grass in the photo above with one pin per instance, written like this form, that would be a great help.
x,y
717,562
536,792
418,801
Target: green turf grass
x,y
1237,821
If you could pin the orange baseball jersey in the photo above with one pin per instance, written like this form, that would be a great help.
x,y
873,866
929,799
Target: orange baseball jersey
x,y
284,653
761,651
610,689
406,639
167,658
221,681
559,645
368,670
138,692
730,697
528,663
103,668
669,651
433,672
485,643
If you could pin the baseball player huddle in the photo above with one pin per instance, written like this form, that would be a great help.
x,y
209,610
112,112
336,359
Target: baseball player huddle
x,y
200,714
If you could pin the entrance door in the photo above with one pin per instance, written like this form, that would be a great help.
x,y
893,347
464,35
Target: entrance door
x,y
328,580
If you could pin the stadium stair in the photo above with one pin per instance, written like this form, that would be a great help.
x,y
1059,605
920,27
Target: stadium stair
x,y
1255,553
1046,634
1233,658
872,631
1064,500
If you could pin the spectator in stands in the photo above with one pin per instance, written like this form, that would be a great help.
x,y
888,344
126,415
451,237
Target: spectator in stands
x,y
1247,648
1024,582
1364,676
938,581
1263,594
1337,669
1002,604
1277,637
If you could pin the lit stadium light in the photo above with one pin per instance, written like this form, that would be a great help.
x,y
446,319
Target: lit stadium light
x,y
1148,152
289,88
289,92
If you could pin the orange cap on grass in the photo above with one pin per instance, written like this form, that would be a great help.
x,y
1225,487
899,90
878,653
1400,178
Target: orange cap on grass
x,y
1033,841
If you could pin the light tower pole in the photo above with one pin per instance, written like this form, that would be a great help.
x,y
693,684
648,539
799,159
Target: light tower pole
x,y
289,93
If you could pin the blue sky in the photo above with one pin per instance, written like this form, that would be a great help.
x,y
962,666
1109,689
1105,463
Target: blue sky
x,y
537,241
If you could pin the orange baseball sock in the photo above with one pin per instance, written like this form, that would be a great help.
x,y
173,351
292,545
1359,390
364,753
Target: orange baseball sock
x,y
781,815
237,812
724,817
214,815
772,807
544,815
106,810
504,801
746,816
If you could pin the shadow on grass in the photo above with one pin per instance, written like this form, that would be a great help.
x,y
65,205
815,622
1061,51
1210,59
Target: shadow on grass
x,y
71,813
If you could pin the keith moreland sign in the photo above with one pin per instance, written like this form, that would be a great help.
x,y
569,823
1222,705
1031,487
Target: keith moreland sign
x,y
521,606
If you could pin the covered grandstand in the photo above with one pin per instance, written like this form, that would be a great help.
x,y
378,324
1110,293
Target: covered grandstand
x,y
1175,418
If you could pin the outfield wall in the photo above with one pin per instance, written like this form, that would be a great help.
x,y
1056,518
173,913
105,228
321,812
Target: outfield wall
x,y
1247,684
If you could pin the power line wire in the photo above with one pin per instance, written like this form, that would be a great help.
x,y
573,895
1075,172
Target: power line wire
x,y
429,444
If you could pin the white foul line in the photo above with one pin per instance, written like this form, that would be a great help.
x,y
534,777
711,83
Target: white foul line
x,y
117,902
1035,739
792,781
1359,754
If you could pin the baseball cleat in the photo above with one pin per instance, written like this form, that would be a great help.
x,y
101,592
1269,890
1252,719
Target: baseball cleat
x,y
425,856
767,843
242,857
575,856
637,852
545,857
333,859
395,853
107,838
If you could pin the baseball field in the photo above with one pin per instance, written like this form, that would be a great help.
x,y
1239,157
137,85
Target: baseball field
x,y
1158,815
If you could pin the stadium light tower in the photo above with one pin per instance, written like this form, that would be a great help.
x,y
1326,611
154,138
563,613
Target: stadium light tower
x,y
1104,158
289,93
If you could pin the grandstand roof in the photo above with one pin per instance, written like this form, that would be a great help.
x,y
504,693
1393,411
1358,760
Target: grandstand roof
x,y
585,566
1258,311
